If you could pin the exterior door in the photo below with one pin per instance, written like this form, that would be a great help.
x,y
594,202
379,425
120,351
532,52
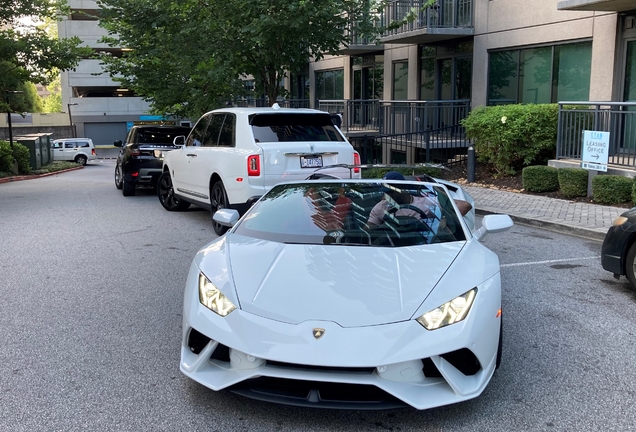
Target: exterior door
x,y
629,95
181,160
70,150
206,160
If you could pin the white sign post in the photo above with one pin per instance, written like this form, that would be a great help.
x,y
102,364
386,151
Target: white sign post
x,y
595,154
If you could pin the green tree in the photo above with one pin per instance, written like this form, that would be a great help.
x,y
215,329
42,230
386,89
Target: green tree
x,y
53,102
186,57
27,53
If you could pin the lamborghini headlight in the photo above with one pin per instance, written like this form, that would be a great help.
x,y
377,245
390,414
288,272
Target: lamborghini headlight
x,y
212,298
449,313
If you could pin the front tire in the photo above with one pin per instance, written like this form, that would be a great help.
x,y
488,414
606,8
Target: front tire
x,y
218,201
81,159
165,193
630,265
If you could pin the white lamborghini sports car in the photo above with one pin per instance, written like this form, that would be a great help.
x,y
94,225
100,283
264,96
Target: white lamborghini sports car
x,y
346,293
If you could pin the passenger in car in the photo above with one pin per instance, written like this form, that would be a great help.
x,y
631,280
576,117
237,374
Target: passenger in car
x,y
327,214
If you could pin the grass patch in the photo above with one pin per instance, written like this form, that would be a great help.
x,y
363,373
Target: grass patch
x,y
52,167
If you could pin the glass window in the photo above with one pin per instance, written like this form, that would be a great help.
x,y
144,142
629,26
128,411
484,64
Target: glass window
x,y
400,80
534,75
69,145
349,213
293,127
540,75
330,85
214,129
502,77
226,137
161,136
463,77
572,66
196,137
338,90
427,78
378,78
630,72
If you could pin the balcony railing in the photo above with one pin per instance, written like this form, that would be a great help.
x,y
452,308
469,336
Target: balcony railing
x,y
264,102
444,14
396,117
617,118
445,146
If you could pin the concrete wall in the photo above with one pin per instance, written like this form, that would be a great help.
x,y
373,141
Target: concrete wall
x,y
56,131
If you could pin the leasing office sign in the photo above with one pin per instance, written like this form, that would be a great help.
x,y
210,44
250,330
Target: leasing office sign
x,y
595,150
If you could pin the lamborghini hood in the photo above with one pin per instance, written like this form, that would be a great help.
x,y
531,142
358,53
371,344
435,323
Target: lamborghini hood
x,y
349,285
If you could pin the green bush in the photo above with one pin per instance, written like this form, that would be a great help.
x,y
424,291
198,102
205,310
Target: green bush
x,y
573,182
379,172
611,189
510,137
540,178
6,157
22,155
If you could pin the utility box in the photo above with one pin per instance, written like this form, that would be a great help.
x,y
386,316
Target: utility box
x,y
33,143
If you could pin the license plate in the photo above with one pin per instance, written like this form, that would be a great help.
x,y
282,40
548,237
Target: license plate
x,y
311,161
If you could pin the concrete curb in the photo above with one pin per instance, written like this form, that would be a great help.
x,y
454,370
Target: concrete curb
x,y
560,228
36,176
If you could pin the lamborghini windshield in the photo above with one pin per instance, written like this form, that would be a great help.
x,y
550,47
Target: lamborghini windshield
x,y
351,213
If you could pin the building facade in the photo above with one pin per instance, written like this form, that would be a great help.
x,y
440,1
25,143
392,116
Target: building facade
x,y
98,107
425,76
491,52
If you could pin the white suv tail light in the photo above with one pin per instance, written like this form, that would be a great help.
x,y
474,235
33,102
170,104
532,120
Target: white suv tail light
x,y
253,165
356,161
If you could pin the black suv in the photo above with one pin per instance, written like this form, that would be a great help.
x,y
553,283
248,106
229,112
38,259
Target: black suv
x,y
140,160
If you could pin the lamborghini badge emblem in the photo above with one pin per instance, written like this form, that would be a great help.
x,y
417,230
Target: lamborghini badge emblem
x,y
318,333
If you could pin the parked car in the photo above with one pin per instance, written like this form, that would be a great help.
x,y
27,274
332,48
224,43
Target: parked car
x,y
618,253
140,159
233,156
305,301
79,150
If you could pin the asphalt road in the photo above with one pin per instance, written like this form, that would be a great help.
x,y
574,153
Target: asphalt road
x,y
91,289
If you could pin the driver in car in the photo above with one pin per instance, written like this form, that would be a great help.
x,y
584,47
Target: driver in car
x,y
397,203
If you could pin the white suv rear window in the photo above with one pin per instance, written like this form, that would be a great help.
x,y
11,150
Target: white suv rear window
x,y
293,127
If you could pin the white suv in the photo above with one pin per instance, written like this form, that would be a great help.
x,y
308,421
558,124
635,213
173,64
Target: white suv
x,y
79,150
233,156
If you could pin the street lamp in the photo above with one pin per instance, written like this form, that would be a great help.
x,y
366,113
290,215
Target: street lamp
x,y
7,93
70,119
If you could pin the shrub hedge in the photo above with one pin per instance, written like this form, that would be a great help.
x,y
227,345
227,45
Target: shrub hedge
x,y
612,189
540,178
379,172
20,154
573,182
509,137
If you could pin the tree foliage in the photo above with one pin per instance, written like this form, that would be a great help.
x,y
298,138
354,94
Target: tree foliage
x,y
186,57
27,52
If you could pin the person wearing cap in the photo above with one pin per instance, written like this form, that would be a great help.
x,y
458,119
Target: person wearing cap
x,y
395,198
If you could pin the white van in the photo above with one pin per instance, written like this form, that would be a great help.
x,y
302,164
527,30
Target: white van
x,y
79,150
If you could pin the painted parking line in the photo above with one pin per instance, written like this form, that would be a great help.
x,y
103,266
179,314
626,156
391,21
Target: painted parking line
x,y
550,261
